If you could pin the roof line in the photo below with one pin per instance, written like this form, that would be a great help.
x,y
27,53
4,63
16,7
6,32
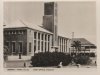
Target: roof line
x,y
22,22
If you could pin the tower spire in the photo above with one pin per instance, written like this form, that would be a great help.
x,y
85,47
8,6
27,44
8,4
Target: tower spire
x,y
50,20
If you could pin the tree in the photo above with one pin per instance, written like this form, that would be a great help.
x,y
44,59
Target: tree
x,y
77,46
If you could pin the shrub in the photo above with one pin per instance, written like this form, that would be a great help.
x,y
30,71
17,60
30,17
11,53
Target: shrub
x,y
50,59
82,59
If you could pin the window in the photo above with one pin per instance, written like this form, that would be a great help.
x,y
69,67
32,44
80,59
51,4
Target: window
x,y
13,47
66,48
42,37
35,35
20,32
42,46
13,32
48,46
39,36
7,44
10,32
29,47
48,37
65,42
20,47
45,37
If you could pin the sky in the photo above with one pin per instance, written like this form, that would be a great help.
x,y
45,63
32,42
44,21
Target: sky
x,y
77,17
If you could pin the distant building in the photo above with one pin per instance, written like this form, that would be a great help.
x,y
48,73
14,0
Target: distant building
x,y
85,45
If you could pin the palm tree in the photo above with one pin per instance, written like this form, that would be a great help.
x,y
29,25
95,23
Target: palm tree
x,y
77,46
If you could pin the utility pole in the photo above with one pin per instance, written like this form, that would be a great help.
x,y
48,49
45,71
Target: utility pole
x,y
72,41
72,35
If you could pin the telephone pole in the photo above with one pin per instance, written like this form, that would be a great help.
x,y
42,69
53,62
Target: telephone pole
x,y
72,35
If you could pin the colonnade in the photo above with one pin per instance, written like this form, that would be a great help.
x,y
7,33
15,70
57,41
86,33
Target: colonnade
x,y
62,44
42,42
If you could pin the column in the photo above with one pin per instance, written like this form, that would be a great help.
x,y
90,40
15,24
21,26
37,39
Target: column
x,y
50,42
37,42
61,45
47,43
33,44
68,46
58,44
43,42
40,42
65,46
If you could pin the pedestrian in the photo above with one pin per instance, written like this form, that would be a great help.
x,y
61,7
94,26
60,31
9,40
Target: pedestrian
x,y
60,65
24,64
78,65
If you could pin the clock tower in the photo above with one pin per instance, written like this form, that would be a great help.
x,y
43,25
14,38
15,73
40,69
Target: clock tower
x,y
50,20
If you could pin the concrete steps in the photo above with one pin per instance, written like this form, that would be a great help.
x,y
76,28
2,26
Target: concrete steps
x,y
16,58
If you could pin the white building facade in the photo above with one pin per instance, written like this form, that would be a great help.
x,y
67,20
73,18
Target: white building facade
x,y
30,39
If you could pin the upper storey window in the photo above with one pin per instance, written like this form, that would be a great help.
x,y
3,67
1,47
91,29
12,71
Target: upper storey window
x,y
20,32
14,32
